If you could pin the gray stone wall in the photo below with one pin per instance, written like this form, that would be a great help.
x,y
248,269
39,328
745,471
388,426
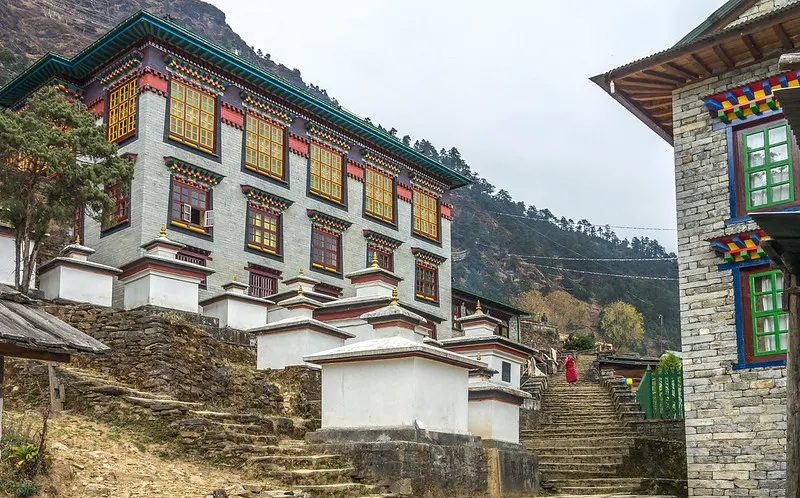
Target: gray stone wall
x,y
150,194
735,419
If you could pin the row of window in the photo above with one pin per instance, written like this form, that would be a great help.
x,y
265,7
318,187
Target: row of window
x,y
193,121
190,208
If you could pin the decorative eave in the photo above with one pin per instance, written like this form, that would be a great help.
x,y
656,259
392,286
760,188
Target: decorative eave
x,y
144,25
376,158
266,108
645,86
196,175
741,247
419,179
381,241
428,257
327,221
753,98
328,137
266,200
196,75
72,90
120,70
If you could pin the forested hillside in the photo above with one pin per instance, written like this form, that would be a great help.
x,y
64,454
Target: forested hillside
x,y
501,247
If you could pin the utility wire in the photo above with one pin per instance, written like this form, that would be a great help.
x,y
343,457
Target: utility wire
x,y
599,226
559,258
641,277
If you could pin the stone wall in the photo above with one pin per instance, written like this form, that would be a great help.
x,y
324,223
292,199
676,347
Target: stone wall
x,y
735,418
186,356
539,336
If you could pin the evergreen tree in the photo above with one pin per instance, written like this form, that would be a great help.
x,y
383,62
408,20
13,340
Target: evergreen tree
x,y
54,159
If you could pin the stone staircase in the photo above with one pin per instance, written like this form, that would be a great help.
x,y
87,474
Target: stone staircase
x,y
581,441
270,448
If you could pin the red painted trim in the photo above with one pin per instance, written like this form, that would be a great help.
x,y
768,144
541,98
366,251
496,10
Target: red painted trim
x,y
307,326
393,356
495,398
355,170
150,80
393,323
232,115
97,109
77,266
484,347
403,192
325,316
165,268
378,277
161,244
298,145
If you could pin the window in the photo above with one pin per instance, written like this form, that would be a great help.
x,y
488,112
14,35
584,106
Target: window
x,y
506,371
766,164
190,207
192,116
502,329
426,284
122,111
77,224
385,258
119,212
263,282
263,230
379,198
326,175
426,215
196,256
769,322
325,250
264,147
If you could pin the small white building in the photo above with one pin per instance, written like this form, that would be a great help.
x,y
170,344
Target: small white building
x,y
235,309
73,277
159,279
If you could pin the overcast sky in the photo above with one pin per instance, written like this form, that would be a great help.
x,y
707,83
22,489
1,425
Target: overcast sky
x,y
504,82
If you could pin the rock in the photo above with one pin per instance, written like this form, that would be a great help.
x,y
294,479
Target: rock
x,y
59,446
236,490
195,479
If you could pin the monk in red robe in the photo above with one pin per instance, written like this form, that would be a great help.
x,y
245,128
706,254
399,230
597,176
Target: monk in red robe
x,y
572,374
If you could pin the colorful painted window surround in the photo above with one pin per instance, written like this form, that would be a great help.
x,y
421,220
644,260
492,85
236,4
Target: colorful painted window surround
x,y
263,230
121,118
425,208
192,116
264,147
379,197
190,207
325,250
764,324
426,282
326,173
120,213
766,161
385,257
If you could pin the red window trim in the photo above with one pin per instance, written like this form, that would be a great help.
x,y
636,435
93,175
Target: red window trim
x,y
265,273
122,206
278,232
389,255
197,256
747,317
322,265
195,227
421,294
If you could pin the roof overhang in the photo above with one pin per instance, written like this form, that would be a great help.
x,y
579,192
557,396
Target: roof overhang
x,y
645,86
143,25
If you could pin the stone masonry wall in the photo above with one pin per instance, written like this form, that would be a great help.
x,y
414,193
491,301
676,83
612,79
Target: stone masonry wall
x,y
186,356
735,419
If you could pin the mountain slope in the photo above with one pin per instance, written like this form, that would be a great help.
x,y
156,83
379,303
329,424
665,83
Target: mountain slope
x,y
501,248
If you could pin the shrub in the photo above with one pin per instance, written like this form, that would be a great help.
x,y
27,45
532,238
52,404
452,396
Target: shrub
x,y
579,342
24,488
23,457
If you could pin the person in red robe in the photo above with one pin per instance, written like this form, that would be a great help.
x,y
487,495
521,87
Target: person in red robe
x,y
572,374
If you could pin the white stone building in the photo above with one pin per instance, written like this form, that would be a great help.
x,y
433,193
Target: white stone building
x,y
711,97
256,177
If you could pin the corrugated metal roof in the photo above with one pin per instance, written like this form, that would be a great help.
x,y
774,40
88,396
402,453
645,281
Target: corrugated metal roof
x,y
24,324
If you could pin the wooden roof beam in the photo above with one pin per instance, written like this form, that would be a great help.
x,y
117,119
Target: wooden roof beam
x,y
704,69
648,95
755,51
681,70
646,83
658,105
664,76
786,42
724,57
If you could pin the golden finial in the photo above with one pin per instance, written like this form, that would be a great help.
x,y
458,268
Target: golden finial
x,y
478,309
78,240
300,290
394,296
479,356
163,233
301,272
375,263
234,278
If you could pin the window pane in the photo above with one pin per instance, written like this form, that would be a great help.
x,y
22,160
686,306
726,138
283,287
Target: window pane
x,y
758,179
777,135
762,283
780,193
766,343
758,198
779,153
780,174
755,158
755,141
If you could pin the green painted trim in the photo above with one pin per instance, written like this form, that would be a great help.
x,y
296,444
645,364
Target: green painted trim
x,y
143,23
775,313
767,167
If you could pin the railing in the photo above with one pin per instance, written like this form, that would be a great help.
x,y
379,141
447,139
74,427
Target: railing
x,y
660,393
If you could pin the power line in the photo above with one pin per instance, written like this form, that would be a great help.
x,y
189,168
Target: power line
x,y
620,275
559,258
600,226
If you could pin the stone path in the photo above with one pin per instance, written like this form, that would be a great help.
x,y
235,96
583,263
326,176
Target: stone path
x,y
583,444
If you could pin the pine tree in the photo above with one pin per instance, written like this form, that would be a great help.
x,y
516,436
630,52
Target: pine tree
x,y
54,159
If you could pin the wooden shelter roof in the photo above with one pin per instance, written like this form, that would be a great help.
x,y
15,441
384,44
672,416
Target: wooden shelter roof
x,y
645,86
26,331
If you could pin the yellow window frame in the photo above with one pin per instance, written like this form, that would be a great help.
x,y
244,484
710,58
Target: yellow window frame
x,y
264,147
426,214
192,116
326,178
379,198
122,111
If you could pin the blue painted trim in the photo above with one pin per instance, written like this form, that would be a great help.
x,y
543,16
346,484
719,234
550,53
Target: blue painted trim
x,y
747,119
731,169
743,264
742,219
762,364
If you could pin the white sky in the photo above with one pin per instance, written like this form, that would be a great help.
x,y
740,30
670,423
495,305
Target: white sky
x,y
504,82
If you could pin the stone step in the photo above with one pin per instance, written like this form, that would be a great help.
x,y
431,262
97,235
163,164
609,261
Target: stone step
x,y
161,404
575,470
260,450
555,434
291,462
599,485
231,437
305,477
200,425
604,442
549,458
570,425
576,451
337,490
225,416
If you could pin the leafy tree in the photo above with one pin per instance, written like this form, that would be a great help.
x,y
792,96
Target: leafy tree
x,y
622,325
669,360
54,159
563,310
580,342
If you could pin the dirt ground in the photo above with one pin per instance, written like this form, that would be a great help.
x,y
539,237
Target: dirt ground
x,y
96,460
